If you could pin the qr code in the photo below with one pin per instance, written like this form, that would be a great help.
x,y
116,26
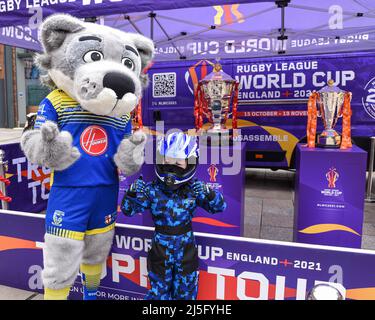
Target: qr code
x,y
164,85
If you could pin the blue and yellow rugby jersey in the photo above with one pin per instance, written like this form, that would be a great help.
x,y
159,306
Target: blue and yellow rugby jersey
x,y
96,137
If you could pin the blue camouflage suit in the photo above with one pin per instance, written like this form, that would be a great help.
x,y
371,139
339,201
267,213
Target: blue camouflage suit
x,y
172,261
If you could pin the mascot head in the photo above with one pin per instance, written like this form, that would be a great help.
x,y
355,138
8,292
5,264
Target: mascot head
x,y
100,67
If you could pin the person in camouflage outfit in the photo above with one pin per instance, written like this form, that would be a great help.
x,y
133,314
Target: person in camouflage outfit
x,y
173,198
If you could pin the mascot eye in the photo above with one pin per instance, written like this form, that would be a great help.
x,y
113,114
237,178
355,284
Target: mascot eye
x,y
93,56
128,63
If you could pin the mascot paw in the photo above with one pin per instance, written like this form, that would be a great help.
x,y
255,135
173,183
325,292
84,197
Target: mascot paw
x,y
59,151
49,131
138,138
125,105
130,154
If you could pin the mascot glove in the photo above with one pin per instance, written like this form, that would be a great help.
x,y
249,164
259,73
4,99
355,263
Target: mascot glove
x,y
138,186
200,189
57,146
130,153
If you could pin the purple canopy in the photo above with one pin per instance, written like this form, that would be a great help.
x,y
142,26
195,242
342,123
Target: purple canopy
x,y
18,12
244,29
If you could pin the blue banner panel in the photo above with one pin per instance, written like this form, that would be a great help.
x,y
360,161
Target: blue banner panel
x,y
231,268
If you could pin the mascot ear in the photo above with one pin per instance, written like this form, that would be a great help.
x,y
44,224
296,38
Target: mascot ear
x,y
55,28
145,47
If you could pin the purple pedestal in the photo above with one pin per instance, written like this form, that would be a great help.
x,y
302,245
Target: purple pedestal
x,y
329,196
229,222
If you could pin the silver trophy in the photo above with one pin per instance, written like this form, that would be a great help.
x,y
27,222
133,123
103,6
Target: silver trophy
x,y
324,292
330,101
216,100
218,94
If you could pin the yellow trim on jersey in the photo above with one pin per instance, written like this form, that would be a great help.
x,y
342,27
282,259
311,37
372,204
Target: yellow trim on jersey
x,y
63,233
51,177
100,230
76,235
61,101
76,116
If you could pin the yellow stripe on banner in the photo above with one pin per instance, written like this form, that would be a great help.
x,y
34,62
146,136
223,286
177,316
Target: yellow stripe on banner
x,y
361,293
100,230
228,124
326,227
288,145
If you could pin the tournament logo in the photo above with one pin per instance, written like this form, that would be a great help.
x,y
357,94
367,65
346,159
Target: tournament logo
x,y
332,176
58,218
368,100
229,13
212,171
197,72
94,140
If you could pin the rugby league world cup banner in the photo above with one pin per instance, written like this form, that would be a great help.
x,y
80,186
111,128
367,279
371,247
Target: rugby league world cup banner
x,y
231,268
29,184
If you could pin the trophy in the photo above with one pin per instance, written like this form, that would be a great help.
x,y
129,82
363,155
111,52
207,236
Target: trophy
x,y
333,103
216,98
324,291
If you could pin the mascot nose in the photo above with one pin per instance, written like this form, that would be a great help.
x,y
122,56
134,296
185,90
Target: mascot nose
x,y
119,83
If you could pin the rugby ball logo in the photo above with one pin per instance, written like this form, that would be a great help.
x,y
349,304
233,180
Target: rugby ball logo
x,y
94,140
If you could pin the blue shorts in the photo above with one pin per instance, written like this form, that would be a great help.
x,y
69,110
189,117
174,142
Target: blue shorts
x,y
73,212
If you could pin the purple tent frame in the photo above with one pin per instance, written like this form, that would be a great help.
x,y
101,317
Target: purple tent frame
x,y
195,29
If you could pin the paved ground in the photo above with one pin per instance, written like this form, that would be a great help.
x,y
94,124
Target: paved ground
x,y
268,206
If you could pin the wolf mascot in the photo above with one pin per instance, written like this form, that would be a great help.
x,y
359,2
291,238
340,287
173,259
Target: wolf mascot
x,y
83,133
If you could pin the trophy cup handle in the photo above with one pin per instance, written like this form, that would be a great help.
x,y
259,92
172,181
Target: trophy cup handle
x,y
312,114
137,117
346,140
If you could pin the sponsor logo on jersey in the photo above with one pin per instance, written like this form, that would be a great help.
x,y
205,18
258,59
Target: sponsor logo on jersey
x,y
94,140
